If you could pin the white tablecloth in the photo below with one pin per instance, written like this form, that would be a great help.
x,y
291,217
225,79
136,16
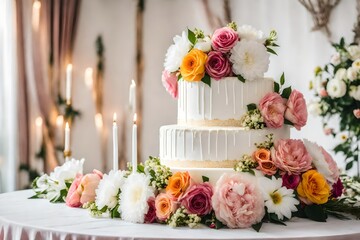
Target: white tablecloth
x,y
22,218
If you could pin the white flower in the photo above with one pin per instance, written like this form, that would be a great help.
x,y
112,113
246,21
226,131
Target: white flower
x,y
109,189
340,74
354,52
177,52
318,84
247,32
250,59
314,108
68,170
356,64
133,198
355,92
278,199
335,59
42,183
352,73
336,88
203,44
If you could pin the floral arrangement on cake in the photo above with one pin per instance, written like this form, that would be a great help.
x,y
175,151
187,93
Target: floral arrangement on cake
x,y
278,181
337,92
283,106
230,51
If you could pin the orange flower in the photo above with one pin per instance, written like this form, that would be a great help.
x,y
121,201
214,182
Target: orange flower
x,y
262,154
313,188
164,206
266,165
178,183
192,68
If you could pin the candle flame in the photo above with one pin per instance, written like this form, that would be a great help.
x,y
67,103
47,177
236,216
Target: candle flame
x,y
37,5
60,120
39,121
89,77
135,118
67,126
114,118
98,120
133,83
69,67
36,14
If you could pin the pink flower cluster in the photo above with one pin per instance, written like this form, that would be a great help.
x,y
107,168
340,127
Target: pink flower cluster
x,y
276,109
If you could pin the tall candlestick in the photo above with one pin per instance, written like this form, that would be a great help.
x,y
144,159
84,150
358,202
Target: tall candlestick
x,y
115,144
132,96
39,133
68,84
36,15
134,145
98,121
67,152
89,77
60,128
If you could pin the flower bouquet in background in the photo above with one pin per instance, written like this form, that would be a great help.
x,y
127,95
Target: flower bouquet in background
x,y
337,93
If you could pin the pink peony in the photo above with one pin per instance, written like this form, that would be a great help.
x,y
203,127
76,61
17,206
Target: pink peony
x,y
197,199
73,196
224,39
237,200
337,189
291,156
357,113
335,172
169,81
88,185
290,181
272,108
150,216
217,65
296,111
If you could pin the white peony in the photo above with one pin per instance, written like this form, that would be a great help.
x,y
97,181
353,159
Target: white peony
x,y
356,64
352,73
335,59
109,188
177,52
133,198
355,92
68,170
247,32
354,52
278,199
336,88
250,59
203,44
341,74
314,108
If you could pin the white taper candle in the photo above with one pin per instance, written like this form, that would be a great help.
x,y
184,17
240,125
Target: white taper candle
x,y
115,144
134,145
68,83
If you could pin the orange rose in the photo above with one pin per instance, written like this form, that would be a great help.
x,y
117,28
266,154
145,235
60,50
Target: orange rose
x,y
266,165
192,68
313,188
178,183
164,206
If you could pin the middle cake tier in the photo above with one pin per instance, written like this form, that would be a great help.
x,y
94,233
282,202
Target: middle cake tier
x,y
210,147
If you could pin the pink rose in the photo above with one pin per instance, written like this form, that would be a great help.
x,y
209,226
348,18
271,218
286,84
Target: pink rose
x,y
88,185
73,196
224,39
165,206
197,199
169,81
323,93
357,113
150,216
237,200
296,111
272,108
291,156
335,172
290,181
337,189
217,65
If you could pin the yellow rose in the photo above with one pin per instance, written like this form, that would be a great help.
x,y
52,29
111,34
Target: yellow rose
x,y
314,188
192,68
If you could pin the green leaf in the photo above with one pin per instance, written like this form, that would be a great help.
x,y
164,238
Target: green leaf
x,y
287,122
218,224
276,87
257,226
241,78
349,165
207,80
179,77
251,106
205,179
140,168
282,79
191,37
114,212
286,92
36,196
251,172
316,212
342,42
274,219
271,51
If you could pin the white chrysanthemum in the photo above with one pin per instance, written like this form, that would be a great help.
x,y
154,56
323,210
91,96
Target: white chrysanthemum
x,y
355,92
314,108
356,64
250,59
336,88
109,188
278,199
352,74
247,32
133,198
319,160
68,170
341,74
177,52
203,44
354,52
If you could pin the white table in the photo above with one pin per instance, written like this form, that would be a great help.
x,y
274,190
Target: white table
x,y
22,218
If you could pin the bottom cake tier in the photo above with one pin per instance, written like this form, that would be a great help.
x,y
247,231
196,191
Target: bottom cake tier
x,y
210,147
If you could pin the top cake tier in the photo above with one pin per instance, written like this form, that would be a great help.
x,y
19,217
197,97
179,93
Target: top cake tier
x,y
222,104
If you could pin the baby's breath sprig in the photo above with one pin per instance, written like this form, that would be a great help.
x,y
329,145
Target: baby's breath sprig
x,y
246,164
268,144
159,174
182,218
253,119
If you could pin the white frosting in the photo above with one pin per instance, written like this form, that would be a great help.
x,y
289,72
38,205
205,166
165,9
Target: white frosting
x,y
186,143
225,99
